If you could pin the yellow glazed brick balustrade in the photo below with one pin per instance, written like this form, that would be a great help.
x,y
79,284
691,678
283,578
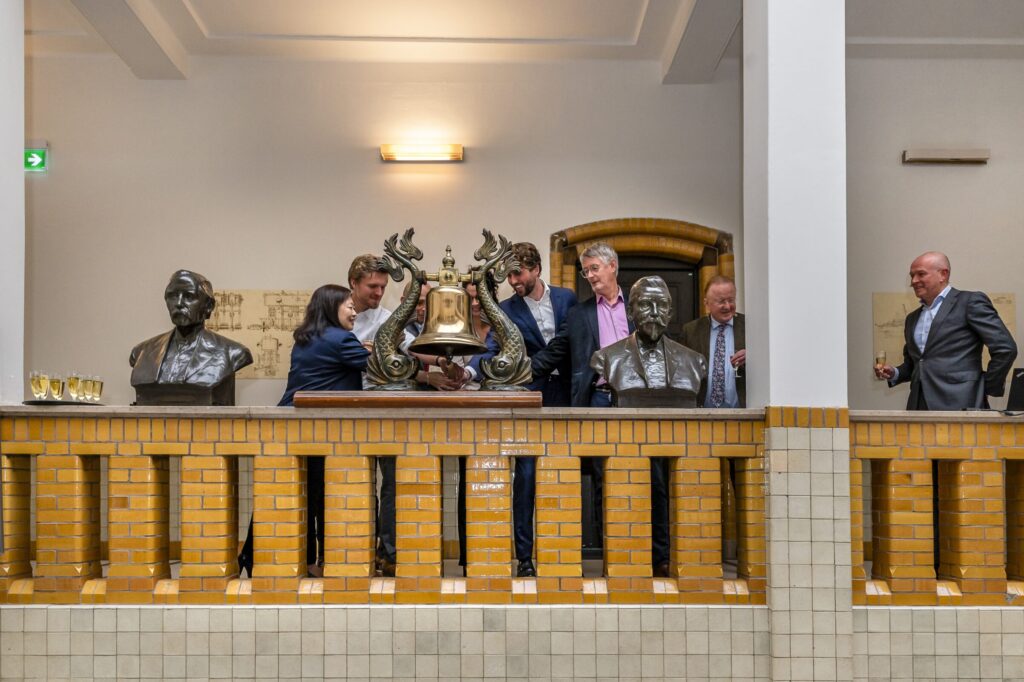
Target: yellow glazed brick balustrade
x,y
67,444
971,465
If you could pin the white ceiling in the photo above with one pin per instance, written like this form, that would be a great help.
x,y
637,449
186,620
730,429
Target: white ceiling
x,y
156,38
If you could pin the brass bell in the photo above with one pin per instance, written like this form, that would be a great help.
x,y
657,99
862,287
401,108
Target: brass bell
x,y
448,324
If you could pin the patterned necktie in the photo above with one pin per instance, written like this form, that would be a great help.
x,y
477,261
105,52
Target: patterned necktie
x,y
718,371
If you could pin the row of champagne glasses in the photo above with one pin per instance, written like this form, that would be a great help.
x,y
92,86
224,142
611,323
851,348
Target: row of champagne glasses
x,y
79,387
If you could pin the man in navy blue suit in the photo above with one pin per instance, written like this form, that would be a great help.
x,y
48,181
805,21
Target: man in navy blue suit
x,y
538,309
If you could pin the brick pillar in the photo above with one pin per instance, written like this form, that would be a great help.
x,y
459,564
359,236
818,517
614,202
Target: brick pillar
x,y
857,528
349,526
489,527
559,521
67,526
627,525
418,528
16,479
1015,520
279,503
696,522
971,527
209,527
901,499
751,540
137,526
729,529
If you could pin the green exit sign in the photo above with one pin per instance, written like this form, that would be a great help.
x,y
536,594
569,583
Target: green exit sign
x,y
36,160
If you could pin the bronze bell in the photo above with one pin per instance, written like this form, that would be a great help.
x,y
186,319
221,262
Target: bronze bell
x,y
448,324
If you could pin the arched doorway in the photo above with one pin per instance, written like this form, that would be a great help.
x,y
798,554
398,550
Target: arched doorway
x,y
685,254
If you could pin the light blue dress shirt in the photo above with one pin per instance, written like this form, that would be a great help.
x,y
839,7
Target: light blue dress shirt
x,y
924,325
924,322
732,398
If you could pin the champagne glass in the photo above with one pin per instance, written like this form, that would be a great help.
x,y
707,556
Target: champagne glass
x,y
86,389
97,389
74,384
880,360
40,383
57,387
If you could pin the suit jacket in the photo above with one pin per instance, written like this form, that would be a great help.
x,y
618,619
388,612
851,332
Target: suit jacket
x,y
333,361
216,358
621,366
577,339
517,310
697,335
948,375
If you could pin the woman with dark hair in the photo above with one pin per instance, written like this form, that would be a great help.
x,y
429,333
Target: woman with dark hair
x,y
326,356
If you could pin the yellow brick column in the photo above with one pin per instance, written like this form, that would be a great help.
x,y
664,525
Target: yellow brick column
x,y
1015,520
857,529
902,528
489,528
209,527
559,535
279,502
752,539
418,527
349,525
696,522
16,479
67,526
137,526
729,528
627,528
971,528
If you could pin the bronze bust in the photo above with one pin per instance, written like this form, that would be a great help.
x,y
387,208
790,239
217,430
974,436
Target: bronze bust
x,y
188,365
647,369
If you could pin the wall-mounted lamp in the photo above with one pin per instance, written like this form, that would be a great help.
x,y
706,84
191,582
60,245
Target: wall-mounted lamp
x,y
956,157
421,152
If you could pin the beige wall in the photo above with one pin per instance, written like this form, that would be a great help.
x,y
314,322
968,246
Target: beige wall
x,y
265,174
275,164
973,213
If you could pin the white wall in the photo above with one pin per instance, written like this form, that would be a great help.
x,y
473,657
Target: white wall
x,y
265,174
975,214
12,201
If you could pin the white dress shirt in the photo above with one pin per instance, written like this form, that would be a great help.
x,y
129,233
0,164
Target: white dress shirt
x,y
543,312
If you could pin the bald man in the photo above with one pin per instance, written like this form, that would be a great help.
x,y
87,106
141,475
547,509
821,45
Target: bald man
x,y
944,339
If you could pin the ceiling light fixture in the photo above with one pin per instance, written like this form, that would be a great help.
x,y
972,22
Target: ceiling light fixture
x,y
421,152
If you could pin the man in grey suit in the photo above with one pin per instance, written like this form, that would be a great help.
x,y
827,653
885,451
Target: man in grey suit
x,y
944,339
725,386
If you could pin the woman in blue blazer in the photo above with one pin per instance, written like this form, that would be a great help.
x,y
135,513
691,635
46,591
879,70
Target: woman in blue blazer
x,y
326,357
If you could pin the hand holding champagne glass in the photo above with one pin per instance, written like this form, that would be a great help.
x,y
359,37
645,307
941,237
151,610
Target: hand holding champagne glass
x,y
883,370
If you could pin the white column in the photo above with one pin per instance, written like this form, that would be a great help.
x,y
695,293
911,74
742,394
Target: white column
x,y
12,202
794,202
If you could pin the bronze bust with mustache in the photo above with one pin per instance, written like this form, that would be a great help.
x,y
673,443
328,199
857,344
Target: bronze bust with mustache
x,y
647,369
188,365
